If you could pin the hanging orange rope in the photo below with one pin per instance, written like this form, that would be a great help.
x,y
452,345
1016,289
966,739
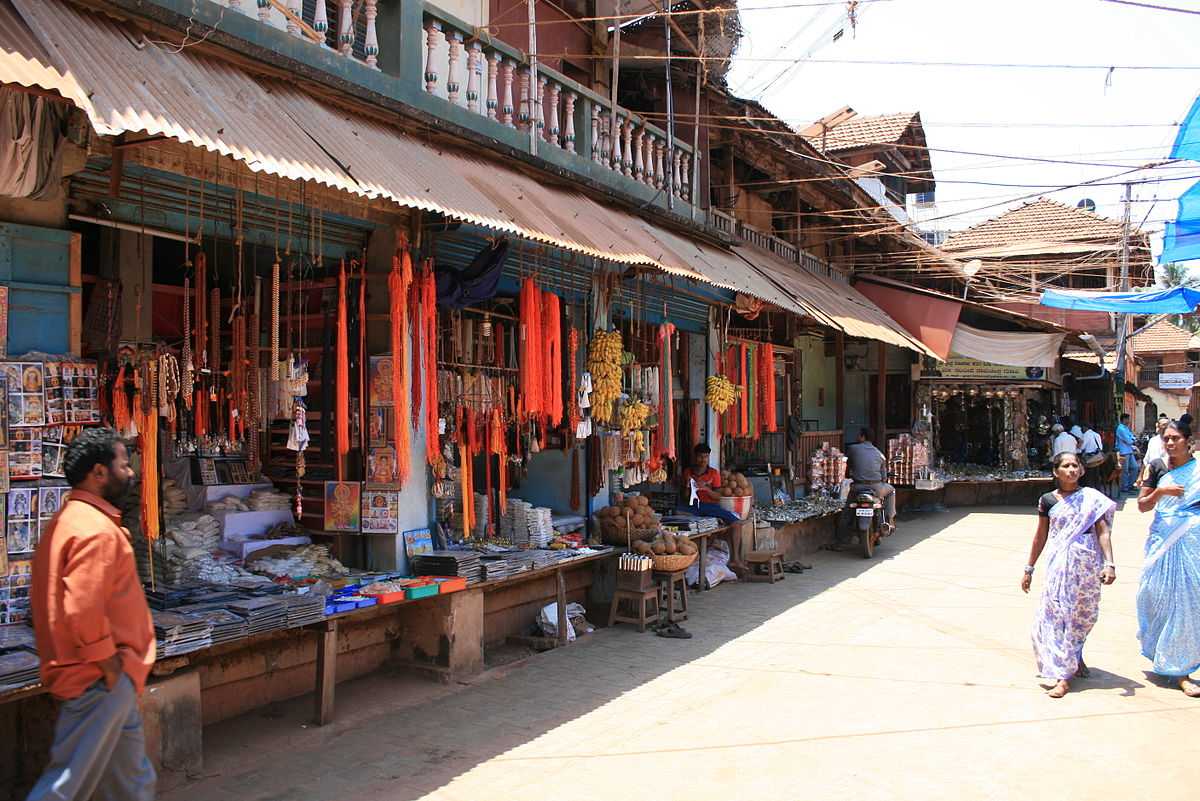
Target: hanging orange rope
x,y
429,339
466,480
666,404
531,349
573,416
415,324
120,403
744,397
766,383
496,448
398,283
148,425
363,363
552,392
200,348
341,414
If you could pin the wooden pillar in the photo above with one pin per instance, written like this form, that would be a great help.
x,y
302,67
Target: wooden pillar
x,y
840,368
881,399
561,603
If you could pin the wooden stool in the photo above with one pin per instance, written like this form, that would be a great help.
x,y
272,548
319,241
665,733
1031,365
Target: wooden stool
x,y
641,600
765,566
668,585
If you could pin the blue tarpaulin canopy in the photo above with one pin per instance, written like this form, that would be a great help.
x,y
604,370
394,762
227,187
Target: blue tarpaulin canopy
x,y
1176,300
1181,239
1187,141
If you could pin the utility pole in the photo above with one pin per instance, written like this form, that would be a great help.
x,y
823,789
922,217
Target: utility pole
x,y
1122,318
670,182
535,111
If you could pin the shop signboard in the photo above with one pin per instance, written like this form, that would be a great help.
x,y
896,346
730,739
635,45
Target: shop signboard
x,y
1176,380
966,368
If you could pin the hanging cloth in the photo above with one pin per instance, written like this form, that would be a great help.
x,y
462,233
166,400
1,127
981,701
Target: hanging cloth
x,y
398,285
478,282
666,405
532,354
552,393
341,414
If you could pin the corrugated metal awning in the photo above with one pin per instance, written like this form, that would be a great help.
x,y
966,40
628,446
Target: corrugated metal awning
x,y
840,305
126,84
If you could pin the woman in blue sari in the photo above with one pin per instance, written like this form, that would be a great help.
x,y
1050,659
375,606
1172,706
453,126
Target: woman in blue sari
x,y
1168,599
1075,532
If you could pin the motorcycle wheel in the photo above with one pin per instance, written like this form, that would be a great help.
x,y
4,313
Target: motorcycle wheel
x,y
867,539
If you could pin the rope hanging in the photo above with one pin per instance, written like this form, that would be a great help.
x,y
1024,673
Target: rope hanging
x,y
342,381
552,390
433,446
398,285
532,354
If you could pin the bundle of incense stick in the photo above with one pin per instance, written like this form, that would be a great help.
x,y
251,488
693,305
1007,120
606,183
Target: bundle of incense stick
x,y
634,563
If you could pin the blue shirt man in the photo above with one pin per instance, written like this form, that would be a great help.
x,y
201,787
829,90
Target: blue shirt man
x,y
1125,438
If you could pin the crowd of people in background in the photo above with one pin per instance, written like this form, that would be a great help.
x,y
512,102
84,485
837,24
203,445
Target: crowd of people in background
x,y
1125,467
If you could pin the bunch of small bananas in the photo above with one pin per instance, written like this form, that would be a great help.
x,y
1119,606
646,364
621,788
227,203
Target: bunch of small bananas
x,y
633,415
604,363
720,393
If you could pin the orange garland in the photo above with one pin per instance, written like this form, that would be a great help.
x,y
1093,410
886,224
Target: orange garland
x,y
120,403
415,324
552,392
531,349
341,413
766,383
429,339
398,284
496,445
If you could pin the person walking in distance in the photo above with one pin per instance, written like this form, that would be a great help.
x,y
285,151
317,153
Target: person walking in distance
x,y
1091,453
1127,452
1064,441
95,636
1075,531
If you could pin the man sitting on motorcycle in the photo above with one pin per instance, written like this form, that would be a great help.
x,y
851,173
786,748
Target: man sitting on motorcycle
x,y
868,467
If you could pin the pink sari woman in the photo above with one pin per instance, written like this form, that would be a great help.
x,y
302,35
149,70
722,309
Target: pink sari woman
x,y
1074,530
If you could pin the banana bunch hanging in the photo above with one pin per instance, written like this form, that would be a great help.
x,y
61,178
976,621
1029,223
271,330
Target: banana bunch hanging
x,y
633,415
604,363
720,393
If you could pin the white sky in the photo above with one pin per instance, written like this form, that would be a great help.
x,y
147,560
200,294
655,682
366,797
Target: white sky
x,y
998,104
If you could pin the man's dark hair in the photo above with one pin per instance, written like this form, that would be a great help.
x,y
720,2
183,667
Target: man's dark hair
x,y
866,434
701,448
93,446
1124,418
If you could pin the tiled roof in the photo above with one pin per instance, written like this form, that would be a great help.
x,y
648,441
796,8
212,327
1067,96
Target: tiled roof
x,y
1164,337
1043,220
885,129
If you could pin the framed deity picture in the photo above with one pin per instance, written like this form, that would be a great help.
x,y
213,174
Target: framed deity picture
x,y
380,393
381,512
418,541
343,505
381,465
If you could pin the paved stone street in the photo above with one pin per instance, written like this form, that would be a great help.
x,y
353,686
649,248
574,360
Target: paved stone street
x,y
906,677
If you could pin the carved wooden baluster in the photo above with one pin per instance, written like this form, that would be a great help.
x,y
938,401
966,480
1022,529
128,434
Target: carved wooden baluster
x,y
506,102
526,113
346,27
371,39
685,170
597,145
264,10
655,176
614,143
626,145
296,7
474,53
639,164
319,20
664,159
455,39
569,133
677,172
493,97
554,126
433,36
539,108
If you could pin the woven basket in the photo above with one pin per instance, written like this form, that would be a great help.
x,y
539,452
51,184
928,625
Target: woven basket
x,y
671,563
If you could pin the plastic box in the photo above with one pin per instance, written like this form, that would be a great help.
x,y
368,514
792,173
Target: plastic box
x,y
421,591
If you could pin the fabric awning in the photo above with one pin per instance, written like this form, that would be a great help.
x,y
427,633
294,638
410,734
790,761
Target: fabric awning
x,y
1176,300
127,85
1014,348
930,319
838,305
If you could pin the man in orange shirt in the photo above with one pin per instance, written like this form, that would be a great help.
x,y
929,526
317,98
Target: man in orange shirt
x,y
708,481
95,636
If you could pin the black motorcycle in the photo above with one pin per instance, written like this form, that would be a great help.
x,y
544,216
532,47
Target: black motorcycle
x,y
863,517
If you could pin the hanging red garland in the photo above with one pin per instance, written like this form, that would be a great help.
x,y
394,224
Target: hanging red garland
x,y
744,397
666,405
341,414
415,324
429,339
552,397
530,348
398,283
766,383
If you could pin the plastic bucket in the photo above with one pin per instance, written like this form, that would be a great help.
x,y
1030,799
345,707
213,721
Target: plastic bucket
x,y
739,505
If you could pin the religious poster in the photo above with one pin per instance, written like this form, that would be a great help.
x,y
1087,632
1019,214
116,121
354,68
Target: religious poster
x,y
381,512
418,541
343,504
3,321
381,465
380,392
53,383
80,389
26,394
50,500
54,449
22,524
16,575
208,472
25,453
379,426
